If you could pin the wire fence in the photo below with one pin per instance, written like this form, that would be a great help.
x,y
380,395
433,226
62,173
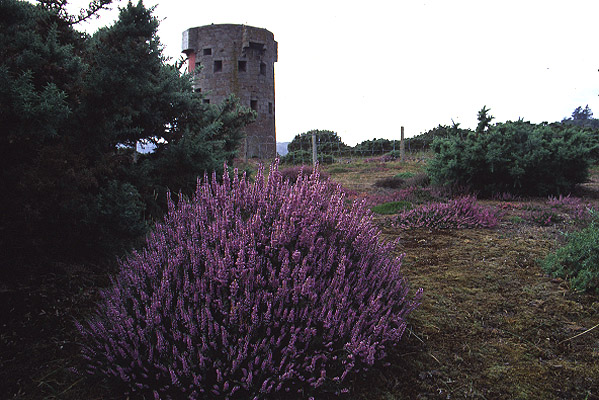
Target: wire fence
x,y
326,148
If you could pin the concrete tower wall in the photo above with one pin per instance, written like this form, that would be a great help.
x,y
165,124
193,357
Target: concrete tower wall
x,y
237,59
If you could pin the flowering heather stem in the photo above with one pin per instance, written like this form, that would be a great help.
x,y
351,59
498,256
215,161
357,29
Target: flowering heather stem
x,y
251,290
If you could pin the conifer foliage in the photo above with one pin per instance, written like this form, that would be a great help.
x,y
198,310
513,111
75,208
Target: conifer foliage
x,y
72,108
516,156
252,290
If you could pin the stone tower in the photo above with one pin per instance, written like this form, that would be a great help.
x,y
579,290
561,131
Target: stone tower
x,y
237,59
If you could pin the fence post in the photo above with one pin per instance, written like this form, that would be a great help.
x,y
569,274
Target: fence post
x,y
402,148
314,154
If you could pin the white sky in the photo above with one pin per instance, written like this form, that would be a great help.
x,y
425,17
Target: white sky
x,y
364,68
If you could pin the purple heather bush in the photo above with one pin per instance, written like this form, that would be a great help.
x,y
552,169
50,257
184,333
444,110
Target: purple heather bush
x,y
251,291
505,196
463,212
573,206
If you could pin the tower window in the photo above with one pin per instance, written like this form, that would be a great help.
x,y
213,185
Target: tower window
x,y
218,66
197,67
207,52
206,101
257,46
254,105
262,69
269,107
242,66
198,90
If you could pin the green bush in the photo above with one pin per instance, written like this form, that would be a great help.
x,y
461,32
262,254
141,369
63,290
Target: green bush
x,y
392,207
305,157
327,142
578,260
516,157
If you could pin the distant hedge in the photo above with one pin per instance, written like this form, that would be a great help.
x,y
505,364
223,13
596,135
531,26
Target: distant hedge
x,y
517,157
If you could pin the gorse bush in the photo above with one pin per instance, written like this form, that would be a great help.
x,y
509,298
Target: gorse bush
x,y
251,290
463,212
578,260
516,157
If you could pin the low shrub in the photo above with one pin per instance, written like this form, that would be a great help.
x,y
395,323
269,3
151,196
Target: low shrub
x,y
391,182
294,172
578,260
422,195
305,157
417,180
251,290
404,175
392,155
515,157
392,207
544,217
463,212
505,196
574,206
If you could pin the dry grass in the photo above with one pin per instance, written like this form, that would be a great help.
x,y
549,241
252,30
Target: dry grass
x,y
491,325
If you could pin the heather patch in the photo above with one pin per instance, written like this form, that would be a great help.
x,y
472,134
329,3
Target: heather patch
x,y
252,290
292,173
575,207
554,210
544,216
463,212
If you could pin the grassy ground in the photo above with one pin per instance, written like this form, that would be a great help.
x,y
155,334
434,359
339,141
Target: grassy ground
x,y
491,325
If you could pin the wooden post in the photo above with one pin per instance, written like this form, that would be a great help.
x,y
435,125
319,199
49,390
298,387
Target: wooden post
x,y
314,154
402,147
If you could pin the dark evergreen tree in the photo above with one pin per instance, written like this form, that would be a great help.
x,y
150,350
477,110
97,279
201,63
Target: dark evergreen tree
x,y
582,117
484,119
72,109
581,114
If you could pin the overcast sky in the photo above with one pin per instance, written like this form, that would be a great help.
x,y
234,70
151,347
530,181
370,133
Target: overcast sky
x,y
365,68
